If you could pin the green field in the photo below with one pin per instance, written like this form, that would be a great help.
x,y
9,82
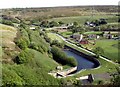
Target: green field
x,y
93,32
54,37
110,48
66,34
82,19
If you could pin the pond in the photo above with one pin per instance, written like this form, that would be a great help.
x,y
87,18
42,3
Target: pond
x,y
83,63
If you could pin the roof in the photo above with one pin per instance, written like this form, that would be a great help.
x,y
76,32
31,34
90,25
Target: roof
x,y
32,28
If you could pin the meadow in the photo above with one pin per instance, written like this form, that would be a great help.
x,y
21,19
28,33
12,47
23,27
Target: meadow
x,y
82,19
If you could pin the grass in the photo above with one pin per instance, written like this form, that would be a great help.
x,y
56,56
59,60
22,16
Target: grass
x,y
82,19
1,52
44,60
66,34
8,35
109,50
93,32
109,47
54,37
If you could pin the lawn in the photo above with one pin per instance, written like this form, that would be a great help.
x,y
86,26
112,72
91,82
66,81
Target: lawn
x,y
110,48
93,32
66,34
54,37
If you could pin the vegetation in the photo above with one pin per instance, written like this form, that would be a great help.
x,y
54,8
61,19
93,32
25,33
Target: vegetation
x,y
98,51
36,62
62,58
28,55
107,46
116,77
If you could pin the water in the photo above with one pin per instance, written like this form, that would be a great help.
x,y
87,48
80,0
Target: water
x,y
83,63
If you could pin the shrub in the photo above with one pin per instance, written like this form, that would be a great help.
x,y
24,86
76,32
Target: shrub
x,y
10,78
61,57
57,43
37,42
24,57
22,43
72,61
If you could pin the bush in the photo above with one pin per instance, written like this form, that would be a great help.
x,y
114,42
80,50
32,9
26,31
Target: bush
x,y
61,57
37,42
23,41
57,43
72,61
24,57
10,78
7,22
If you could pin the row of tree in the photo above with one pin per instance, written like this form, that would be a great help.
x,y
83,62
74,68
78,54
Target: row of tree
x,y
61,57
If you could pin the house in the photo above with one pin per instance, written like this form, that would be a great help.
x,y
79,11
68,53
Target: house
x,y
93,36
86,79
84,41
76,36
59,68
108,36
32,28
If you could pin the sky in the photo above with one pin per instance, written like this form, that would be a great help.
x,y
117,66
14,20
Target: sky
x,y
53,3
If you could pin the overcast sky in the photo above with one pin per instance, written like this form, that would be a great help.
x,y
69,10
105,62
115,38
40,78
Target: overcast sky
x,y
53,3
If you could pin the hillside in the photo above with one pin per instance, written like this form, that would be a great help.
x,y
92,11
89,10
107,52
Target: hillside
x,y
50,12
25,66
8,34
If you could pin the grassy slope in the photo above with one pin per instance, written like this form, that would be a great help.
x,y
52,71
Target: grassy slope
x,y
8,35
46,62
54,37
36,69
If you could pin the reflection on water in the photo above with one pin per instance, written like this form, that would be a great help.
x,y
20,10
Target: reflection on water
x,y
83,63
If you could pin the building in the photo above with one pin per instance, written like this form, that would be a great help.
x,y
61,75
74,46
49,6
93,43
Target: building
x,y
84,41
76,36
32,28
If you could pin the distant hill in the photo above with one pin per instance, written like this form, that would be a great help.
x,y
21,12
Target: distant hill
x,y
50,12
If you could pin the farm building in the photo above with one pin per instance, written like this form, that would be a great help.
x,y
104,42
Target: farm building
x,y
76,36
84,41
32,28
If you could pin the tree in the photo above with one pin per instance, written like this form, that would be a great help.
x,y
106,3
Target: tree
x,y
24,57
61,23
61,57
53,23
75,24
22,43
98,51
116,77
